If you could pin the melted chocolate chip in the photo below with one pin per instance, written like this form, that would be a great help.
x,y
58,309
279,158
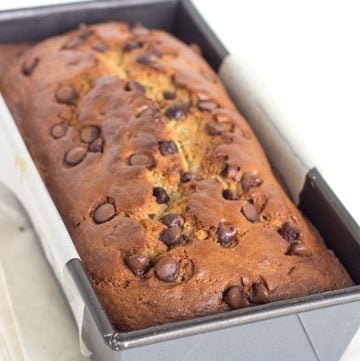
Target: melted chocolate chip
x,y
169,95
188,176
226,233
58,130
104,213
235,297
250,212
171,236
75,156
168,147
97,146
299,249
89,133
207,105
29,66
291,232
145,159
167,269
176,111
250,180
161,195
171,220
131,45
260,293
230,196
213,128
232,171
137,264
135,86
66,94
100,47
145,59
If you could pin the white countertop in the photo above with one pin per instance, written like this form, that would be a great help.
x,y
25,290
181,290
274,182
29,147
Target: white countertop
x,y
308,56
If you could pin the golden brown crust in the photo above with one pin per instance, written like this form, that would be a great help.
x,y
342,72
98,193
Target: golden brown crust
x,y
104,142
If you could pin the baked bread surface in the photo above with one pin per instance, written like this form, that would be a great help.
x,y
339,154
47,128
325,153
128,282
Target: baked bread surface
x,y
163,186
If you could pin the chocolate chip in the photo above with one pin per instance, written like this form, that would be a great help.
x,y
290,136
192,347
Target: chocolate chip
x,y
104,213
250,180
145,60
89,133
143,158
169,95
171,236
29,66
175,111
213,128
188,176
97,146
66,94
235,297
300,249
260,293
131,45
226,233
168,147
250,212
230,196
58,130
291,232
74,156
135,86
207,105
101,48
140,30
167,269
161,195
137,264
232,171
171,220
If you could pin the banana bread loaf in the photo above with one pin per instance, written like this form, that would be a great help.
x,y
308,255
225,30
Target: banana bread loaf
x,y
164,188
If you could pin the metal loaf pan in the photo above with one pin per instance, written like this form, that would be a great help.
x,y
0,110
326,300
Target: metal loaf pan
x,y
297,329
